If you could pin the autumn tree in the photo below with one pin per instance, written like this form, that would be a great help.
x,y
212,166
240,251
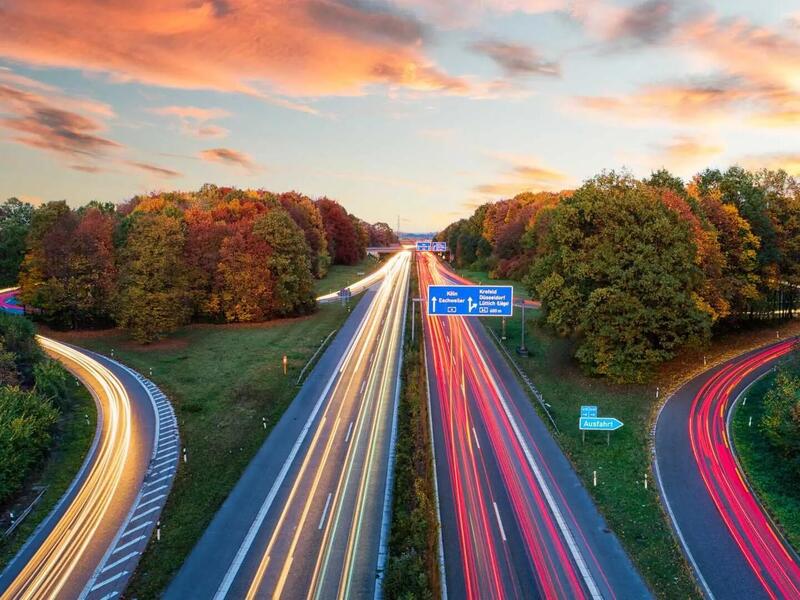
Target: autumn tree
x,y
288,263
620,272
15,221
345,240
306,214
154,289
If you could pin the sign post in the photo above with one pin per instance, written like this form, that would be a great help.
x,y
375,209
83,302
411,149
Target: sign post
x,y
590,421
470,300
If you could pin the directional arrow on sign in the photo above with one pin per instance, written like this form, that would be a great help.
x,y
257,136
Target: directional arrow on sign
x,y
434,304
472,306
599,423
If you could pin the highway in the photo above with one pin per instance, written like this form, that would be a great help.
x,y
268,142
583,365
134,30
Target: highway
x,y
309,518
90,543
733,546
516,521
362,284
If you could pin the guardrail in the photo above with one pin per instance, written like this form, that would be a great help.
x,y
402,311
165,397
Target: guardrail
x,y
314,356
527,380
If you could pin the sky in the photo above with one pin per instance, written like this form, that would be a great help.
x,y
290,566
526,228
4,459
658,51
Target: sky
x,y
411,109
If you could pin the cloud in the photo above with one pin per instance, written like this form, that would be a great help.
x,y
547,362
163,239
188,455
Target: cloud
x,y
462,13
153,169
36,122
789,162
194,120
686,151
229,157
524,174
515,59
301,49
692,101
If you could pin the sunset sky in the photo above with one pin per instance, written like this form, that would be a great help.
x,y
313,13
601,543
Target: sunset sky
x,y
417,108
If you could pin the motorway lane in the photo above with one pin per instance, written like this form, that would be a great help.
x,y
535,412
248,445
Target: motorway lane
x,y
516,521
735,549
73,552
8,301
307,517
359,286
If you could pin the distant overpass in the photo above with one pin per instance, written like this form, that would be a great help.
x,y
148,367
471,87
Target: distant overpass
x,y
384,249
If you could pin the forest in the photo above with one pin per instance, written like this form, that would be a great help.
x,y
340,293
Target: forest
x,y
162,260
634,270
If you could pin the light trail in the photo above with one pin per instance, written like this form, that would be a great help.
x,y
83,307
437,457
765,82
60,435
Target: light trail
x,y
362,284
60,556
505,470
325,540
775,567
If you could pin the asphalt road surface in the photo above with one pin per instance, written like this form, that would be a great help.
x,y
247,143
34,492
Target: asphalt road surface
x,y
735,549
309,517
516,521
86,547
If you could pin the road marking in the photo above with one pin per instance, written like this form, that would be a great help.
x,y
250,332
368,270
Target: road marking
x,y
109,580
349,431
159,479
363,385
119,562
147,512
158,489
137,528
110,595
499,521
475,436
129,544
156,499
324,511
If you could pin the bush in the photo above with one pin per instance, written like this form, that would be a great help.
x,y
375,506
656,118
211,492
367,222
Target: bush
x,y
781,419
26,421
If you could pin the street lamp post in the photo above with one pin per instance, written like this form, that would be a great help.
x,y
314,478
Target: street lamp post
x,y
522,350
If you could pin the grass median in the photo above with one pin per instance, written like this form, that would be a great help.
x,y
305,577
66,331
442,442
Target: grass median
x,y
770,474
412,570
228,388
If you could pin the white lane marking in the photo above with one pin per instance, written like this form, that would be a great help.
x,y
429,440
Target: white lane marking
x,y
158,489
324,511
236,564
129,544
156,499
135,529
109,596
116,563
576,553
158,480
147,512
363,385
109,580
499,521
349,431
475,436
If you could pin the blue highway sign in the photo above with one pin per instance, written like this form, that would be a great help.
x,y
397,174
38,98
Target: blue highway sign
x,y
423,246
599,423
439,246
470,300
588,411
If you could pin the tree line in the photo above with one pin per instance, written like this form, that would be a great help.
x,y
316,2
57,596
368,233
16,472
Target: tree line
x,y
162,260
637,269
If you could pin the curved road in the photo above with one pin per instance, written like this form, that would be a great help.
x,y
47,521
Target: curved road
x,y
735,549
91,542
516,521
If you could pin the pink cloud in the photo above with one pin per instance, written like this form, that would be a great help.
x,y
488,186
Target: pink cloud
x,y
302,48
227,156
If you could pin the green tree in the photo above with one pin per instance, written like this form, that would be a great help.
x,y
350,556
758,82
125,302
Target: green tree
x,y
781,419
154,295
293,288
15,221
619,271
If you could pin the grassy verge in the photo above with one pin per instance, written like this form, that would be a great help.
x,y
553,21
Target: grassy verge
x,y
635,514
71,441
340,276
223,380
412,571
769,474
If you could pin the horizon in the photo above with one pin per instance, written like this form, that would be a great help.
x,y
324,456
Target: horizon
x,y
411,107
